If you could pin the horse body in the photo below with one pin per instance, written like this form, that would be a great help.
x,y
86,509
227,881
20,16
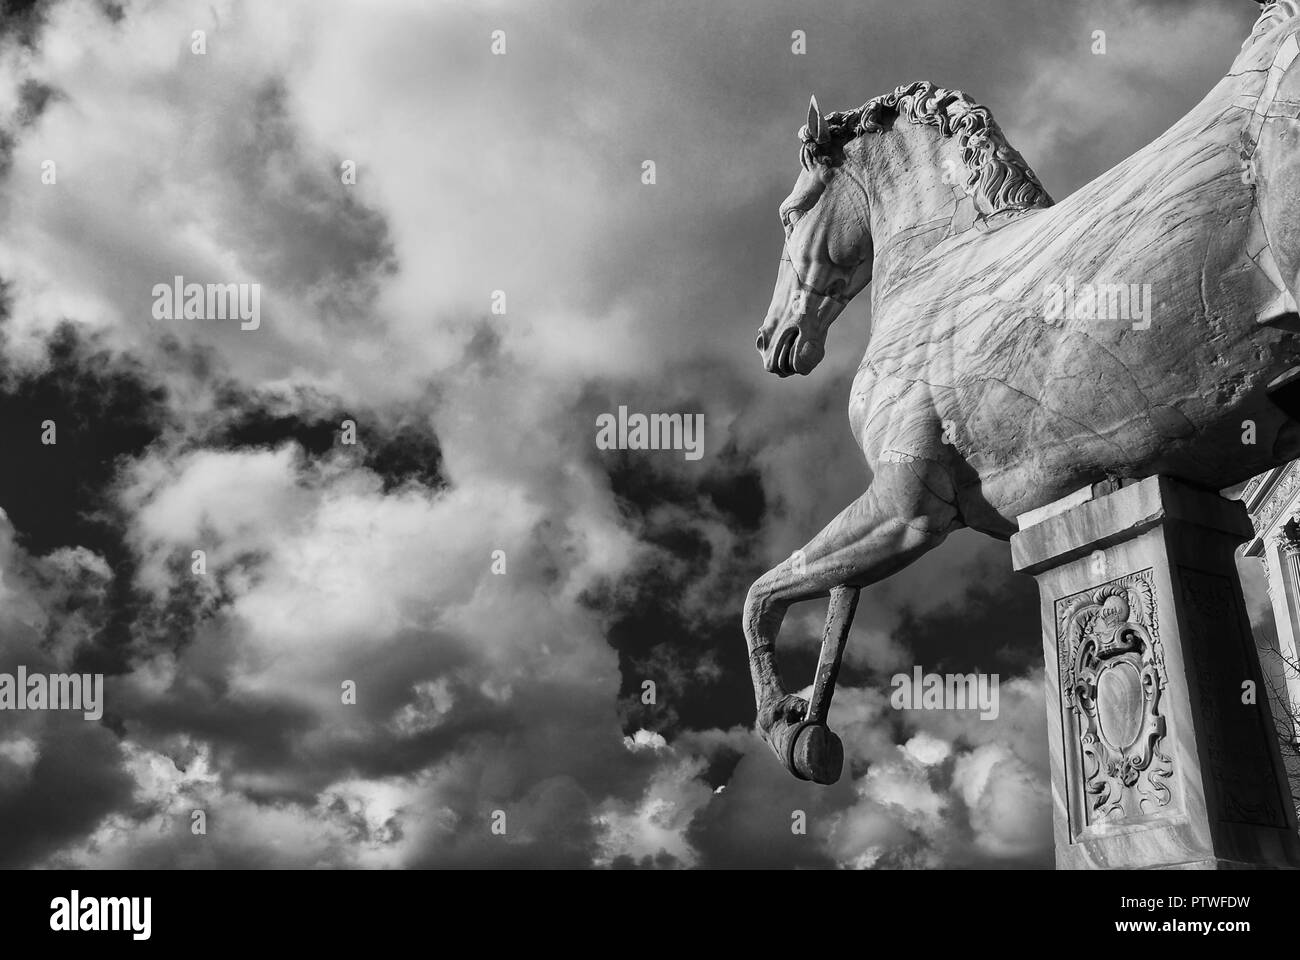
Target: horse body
x,y
966,333
977,399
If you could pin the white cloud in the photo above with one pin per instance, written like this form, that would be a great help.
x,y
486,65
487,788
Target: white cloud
x,y
656,823
928,749
645,740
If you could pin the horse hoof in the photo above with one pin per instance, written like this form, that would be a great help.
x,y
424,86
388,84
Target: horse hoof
x,y
817,754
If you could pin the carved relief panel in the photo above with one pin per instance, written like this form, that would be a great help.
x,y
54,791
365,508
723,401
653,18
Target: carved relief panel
x,y
1112,675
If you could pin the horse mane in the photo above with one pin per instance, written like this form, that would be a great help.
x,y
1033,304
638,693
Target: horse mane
x,y
1271,13
996,174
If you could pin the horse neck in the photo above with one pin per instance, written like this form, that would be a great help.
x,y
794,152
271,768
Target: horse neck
x,y
912,208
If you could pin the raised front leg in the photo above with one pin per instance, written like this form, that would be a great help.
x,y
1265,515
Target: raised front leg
x,y
907,510
808,748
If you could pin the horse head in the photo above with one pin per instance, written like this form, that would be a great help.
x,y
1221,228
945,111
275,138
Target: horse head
x,y
853,200
827,258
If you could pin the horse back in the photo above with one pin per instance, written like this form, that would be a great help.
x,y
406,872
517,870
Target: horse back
x,y
976,331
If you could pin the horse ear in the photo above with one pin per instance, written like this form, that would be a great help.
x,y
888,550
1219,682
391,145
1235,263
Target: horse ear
x,y
816,126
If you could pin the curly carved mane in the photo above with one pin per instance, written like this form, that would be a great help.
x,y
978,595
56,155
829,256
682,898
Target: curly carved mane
x,y
1271,13
996,174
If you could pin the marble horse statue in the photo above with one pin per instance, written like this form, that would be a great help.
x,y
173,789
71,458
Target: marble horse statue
x,y
1022,348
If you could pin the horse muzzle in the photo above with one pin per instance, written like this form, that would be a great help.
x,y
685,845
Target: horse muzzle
x,y
790,351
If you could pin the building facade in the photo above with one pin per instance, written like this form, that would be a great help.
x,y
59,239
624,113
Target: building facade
x,y
1273,501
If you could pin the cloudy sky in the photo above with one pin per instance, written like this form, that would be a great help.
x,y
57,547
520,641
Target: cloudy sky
x,y
373,563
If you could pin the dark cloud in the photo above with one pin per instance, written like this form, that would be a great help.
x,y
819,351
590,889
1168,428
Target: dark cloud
x,y
104,409
76,781
399,446
990,628
22,19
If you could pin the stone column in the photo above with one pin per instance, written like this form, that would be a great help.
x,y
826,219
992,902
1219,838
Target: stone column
x,y
1289,541
1163,749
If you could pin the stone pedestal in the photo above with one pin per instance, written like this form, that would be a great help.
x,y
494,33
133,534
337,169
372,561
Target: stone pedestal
x,y
1159,758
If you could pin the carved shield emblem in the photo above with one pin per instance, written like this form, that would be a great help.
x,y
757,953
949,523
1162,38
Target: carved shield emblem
x,y
1112,673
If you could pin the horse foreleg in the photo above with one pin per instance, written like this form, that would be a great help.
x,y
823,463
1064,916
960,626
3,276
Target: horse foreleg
x,y
901,516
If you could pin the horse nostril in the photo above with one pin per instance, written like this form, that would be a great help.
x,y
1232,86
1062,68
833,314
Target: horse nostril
x,y
761,342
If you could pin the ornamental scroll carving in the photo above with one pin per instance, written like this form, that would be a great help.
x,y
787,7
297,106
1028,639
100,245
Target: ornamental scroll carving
x,y
1281,495
1112,675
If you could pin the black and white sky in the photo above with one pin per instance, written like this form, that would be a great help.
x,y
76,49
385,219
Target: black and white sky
x,y
476,431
